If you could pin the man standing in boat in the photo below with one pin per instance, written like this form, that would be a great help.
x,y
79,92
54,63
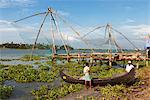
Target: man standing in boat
x,y
129,66
87,77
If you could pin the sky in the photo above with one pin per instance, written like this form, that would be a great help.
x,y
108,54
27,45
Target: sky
x,y
131,17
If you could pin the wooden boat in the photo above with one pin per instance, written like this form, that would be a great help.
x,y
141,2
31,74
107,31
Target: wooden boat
x,y
126,78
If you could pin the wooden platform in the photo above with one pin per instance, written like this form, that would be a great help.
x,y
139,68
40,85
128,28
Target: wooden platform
x,y
102,56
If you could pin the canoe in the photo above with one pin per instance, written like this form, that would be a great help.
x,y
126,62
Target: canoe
x,y
126,78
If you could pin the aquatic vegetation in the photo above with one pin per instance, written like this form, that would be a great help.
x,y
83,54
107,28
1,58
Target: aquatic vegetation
x,y
140,89
58,92
5,91
49,62
6,59
26,73
110,92
37,63
2,76
76,70
28,57
141,63
3,66
44,67
48,72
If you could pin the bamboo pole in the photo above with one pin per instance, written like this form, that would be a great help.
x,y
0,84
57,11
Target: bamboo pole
x,y
110,48
38,35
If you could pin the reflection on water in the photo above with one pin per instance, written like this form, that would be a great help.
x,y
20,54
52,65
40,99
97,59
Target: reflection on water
x,y
18,53
22,91
16,62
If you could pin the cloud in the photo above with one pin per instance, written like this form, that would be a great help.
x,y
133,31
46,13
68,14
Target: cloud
x,y
10,27
28,33
63,13
135,33
138,30
12,32
128,20
16,3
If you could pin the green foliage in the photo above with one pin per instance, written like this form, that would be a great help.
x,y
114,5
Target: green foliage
x,y
25,46
116,91
2,76
21,73
49,62
26,73
67,46
74,69
44,67
7,59
5,91
54,93
28,57
104,72
37,63
3,66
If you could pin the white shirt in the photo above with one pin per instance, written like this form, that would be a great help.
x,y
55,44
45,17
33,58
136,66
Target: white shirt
x,y
129,67
86,70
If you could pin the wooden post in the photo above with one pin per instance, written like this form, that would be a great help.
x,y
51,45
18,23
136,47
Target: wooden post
x,y
68,57
137,64
78,57
137,59
110,58
147,57
54,56
91,59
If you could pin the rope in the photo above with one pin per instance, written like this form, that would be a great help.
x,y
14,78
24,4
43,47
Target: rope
x,y
125,38
106,31
115,43
92,31
29,17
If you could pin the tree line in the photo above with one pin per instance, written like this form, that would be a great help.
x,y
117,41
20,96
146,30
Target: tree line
x,y
29,46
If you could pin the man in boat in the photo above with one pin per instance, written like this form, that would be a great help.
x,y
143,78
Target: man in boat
x,y
87,77
129,66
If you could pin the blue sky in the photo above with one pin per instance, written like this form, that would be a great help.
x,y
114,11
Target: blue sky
x,y
131,17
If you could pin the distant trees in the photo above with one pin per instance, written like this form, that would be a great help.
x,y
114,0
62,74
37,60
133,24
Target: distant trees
x,y
29,46
67,46
13,45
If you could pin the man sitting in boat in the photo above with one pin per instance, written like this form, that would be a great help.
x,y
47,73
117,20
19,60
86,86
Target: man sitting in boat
x,y
87,77
129,66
